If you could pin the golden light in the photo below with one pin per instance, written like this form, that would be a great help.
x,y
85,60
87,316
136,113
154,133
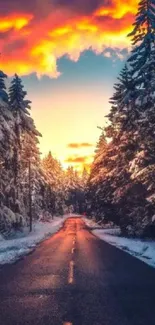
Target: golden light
x,y
118,9
86,25
7,23
60,31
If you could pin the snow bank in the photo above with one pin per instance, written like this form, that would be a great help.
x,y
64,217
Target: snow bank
x,y
74,215
89,222
142,249
100,225
12,249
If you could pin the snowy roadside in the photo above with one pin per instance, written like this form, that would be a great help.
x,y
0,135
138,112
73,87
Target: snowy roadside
x,y
90,223
141,249
12,249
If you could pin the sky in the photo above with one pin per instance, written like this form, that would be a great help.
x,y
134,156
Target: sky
x,y
69,54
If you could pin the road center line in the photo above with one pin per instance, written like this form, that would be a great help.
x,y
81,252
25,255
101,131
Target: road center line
x,y
71,272
73,250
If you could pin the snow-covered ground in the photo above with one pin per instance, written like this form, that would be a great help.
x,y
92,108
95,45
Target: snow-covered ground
x,y
142,249
91,223
12,249
97,225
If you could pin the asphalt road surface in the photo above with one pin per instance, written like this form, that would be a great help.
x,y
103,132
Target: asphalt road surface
x,y
74,278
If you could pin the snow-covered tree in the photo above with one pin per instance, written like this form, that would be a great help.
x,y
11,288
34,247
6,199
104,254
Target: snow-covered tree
x,y
56,187
84,177
129,159
143,35
24,124
97,196
7,138
123,113
31,176
142,64
143,164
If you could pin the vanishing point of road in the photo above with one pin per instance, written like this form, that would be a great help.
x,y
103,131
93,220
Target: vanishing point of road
x,y
74,278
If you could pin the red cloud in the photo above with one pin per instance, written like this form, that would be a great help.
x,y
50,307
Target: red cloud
x,y
42,31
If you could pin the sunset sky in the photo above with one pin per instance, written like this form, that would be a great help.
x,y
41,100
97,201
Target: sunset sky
x,y
68,53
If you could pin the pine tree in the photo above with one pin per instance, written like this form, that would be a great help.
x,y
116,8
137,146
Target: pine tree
x,y
123,113
132,125
55,179
84,177
143,68
95,196
7,138
143,165
19,107
129,157
143,35
30,174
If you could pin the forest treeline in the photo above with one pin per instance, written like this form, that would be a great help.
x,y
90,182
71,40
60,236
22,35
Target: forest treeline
x,y
29,184
121,185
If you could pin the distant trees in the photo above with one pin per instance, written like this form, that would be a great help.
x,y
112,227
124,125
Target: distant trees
x,y
75,189
122,176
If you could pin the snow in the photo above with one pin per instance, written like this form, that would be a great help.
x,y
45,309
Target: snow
x,y
12,249
90,223
142,249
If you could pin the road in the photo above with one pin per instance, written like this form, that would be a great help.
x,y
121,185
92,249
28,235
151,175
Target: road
x,y
74,278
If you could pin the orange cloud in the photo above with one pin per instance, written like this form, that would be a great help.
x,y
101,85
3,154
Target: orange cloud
x,y
79,145
79,162
32,42
76,160
118,9
85,160
14,22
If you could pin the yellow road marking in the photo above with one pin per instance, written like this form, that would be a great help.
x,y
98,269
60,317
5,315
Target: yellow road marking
x,y
71,272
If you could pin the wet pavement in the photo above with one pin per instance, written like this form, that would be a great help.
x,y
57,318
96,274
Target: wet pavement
x,y
74,278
